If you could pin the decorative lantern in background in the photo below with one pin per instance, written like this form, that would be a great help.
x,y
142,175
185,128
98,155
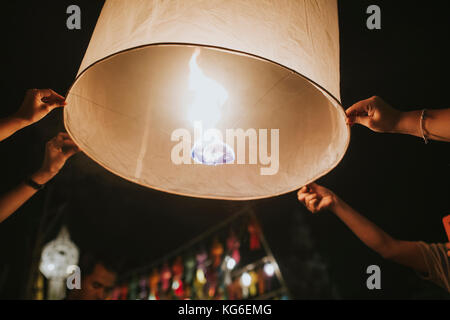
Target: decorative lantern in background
x,y
177,276
124,292
189,267
246,281
133,288
216,253
233,245
254,231
157,75
56,257
143,288
153,284
166,275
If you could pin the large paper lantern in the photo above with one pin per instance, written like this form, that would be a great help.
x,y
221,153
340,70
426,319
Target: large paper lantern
x,y
226,99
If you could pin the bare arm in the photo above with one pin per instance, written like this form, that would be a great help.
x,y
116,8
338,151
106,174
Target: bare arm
x,y
317,198
404,252
15,198
375,114
436,124
36,105
10,125
58,150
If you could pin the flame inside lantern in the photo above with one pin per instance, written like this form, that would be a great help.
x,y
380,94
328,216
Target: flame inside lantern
x,y
209,95
206,108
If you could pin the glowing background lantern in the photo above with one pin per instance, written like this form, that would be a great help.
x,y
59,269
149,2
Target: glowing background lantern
x,y
156,68
56,257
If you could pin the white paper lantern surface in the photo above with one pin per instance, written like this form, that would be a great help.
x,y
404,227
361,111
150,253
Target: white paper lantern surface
x,y
155,69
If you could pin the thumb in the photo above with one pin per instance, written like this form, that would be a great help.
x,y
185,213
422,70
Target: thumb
x,y
360,119
51,98
70,152
358,113
312,186
54,102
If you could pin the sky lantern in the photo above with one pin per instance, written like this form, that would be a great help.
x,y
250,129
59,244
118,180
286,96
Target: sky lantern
x,y
215,99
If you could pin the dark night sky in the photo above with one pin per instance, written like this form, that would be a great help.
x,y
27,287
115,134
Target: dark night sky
x,y
397,181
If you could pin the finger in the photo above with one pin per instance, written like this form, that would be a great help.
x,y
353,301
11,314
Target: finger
x,y
49,143
362,120
301,197
312,186
60,137
305,203
360,107
321,206
302,192
64,135
70,152
57,141
303,189
50,93
313,204
52,98
310,197
68,144
358,112
53,103
63,141
53,93
53,145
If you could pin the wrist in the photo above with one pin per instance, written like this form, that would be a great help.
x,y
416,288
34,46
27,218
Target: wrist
x,y
408,123
19,121
42,176
336,203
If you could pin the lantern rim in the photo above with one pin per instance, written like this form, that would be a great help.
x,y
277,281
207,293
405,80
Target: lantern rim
x,y
226,50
